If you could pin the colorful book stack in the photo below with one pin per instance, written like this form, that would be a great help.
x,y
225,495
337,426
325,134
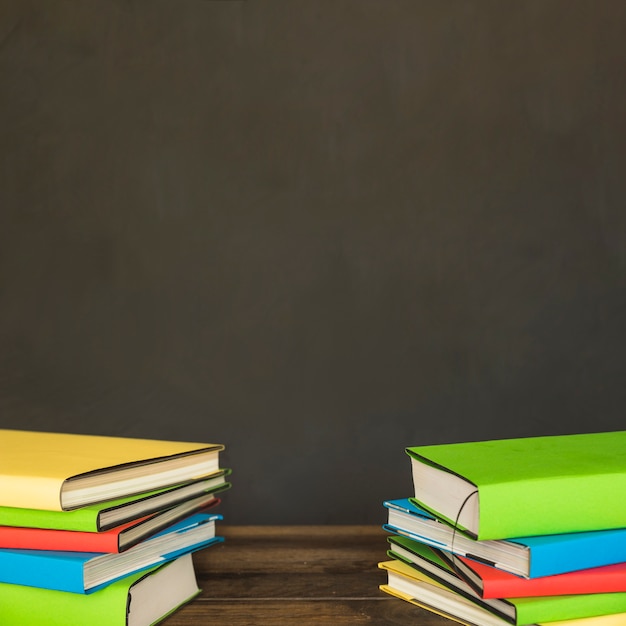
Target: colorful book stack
x,y
100,530
525,531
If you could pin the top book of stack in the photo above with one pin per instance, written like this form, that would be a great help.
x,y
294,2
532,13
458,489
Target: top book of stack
x,y
523,487
60,472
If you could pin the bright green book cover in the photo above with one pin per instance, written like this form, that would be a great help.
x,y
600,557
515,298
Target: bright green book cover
x,y
533,486
570,607
83,519
140,599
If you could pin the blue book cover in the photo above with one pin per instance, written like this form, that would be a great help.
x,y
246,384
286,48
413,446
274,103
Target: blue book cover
x,y
531,557
85,572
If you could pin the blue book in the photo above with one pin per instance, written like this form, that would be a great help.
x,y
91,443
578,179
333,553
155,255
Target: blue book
x,y
85,572
531,557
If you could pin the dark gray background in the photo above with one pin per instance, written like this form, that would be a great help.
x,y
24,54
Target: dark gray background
x,y
315,231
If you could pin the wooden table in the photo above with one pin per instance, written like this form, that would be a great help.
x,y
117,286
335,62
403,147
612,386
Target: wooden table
x,y
302,575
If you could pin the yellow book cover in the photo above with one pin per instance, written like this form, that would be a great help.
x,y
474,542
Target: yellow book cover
x,y
407,598
58,471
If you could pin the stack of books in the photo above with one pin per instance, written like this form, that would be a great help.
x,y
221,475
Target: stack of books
x,y
524,531
100,530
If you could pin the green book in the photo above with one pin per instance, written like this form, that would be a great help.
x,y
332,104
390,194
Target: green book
x,y
106,515
141,599
459,600
523,487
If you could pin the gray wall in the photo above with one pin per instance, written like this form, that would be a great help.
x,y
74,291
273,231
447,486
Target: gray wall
x,y
315,231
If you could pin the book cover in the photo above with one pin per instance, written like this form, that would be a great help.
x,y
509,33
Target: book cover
x,y
116,539
530,557
57,471
140,599
524,487
105,515
86,572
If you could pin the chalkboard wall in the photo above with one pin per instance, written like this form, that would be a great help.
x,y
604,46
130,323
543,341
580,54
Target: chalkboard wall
x,y
317,232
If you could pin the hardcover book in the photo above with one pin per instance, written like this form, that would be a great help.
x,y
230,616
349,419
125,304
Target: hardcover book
x,y
524,487
58,472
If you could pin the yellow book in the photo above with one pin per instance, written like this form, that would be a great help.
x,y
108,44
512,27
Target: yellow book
x,y
58,472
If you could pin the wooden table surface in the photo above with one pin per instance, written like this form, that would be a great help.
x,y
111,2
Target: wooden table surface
x,y
303,575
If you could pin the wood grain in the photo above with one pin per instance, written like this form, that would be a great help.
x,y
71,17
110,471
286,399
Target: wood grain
x,y
307,575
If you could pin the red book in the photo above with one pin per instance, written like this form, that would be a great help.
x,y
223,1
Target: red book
x,y
114,540
490,582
